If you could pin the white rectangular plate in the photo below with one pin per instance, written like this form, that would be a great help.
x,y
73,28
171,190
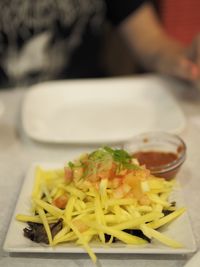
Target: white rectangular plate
x,y
180,230
99,110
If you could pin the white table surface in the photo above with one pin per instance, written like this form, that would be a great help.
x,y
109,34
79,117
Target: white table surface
x,y
17,152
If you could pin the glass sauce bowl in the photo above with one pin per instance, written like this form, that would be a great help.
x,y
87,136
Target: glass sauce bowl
x,y
162,153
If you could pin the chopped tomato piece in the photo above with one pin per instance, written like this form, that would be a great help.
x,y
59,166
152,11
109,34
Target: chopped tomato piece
x,y
112,172
80,225
68,174
60,201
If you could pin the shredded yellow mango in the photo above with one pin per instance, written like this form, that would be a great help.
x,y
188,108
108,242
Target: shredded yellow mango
x,y
46,225
166,219
98,197
160,237
69,208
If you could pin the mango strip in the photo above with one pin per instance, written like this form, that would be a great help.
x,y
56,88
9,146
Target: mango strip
x,y
46,225
48,207
73,190
69,208
166,219
36,219
135,222
123,236
160,237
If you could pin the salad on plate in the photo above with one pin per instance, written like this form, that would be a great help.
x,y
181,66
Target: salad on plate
x,y
102,197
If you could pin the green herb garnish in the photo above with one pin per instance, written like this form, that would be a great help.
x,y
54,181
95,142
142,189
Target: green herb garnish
x,y
122,157
101,160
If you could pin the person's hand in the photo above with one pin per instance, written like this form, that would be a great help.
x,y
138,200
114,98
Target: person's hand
x,y
155,50
188,62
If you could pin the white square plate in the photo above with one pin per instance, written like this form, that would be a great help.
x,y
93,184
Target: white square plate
x,y
180,229
99,110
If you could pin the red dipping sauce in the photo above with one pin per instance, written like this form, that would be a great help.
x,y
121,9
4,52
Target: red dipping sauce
x,y
152,159
161,164
162,153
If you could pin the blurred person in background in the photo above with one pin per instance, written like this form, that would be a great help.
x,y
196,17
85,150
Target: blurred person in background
x,y
59,39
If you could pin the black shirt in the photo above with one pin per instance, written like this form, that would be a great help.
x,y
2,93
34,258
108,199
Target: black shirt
x,y
51,39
